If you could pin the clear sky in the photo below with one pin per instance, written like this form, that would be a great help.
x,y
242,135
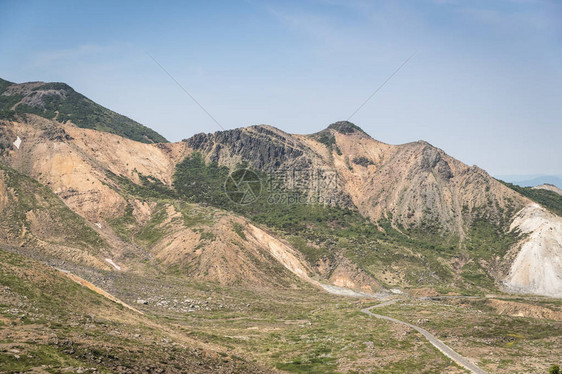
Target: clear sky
x,y
485,82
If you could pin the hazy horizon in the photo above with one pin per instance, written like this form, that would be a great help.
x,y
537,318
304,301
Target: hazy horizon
x,y
484,84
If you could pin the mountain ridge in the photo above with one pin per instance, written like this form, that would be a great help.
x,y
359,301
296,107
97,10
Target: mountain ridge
x,y
266,147
61,102
412,194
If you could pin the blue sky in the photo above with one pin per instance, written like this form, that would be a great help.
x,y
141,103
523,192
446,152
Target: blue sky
x,y
485,82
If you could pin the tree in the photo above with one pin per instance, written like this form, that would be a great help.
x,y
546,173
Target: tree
x,y
554,369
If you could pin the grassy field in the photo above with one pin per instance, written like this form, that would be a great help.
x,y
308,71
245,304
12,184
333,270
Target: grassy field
x,y
301,331
49,323
46,319
502,343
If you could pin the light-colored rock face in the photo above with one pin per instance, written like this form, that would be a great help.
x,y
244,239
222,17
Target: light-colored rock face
x,y
285,255
250,256
74,163
537,268
517,309
126,157
417,183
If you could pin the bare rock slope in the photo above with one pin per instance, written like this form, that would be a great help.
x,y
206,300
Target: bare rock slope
x,y
537,268
416,184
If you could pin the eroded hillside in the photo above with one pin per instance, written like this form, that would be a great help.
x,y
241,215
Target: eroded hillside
x,y
398,216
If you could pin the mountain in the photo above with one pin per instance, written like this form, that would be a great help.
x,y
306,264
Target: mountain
x,y
413,185
98,175
412,191
389,207
228,241
60,102
548,187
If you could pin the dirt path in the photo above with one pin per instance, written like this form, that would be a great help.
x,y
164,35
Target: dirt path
x,y
445,349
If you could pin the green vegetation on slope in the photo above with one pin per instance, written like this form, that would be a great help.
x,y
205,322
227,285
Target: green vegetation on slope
x,y
324,233
548,199
63,104
346,127
29,201
7,102
4,84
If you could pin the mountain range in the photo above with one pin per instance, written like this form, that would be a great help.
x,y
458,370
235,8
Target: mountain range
x,y
99,197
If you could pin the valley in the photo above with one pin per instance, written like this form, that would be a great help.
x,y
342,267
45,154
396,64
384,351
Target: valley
x,y
282,330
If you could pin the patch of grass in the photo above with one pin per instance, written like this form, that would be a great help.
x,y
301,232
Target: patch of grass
x,y
314,364
125,224
150,233
475,275
193,215
36,357
363,161
149,188
326,138
487,239
239,229
209,236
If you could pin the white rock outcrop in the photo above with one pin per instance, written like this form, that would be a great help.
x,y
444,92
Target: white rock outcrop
x,y
537,268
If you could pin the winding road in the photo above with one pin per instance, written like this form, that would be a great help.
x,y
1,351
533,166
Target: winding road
x,y
445,349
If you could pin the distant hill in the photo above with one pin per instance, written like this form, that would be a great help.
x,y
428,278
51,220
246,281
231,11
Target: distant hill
x,y
532,180
60,102
546,195
548,187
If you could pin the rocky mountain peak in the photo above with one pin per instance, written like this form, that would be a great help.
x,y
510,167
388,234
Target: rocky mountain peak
x,y
346,127
60,102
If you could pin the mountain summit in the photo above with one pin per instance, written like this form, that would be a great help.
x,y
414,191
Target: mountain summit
x,y
59,102
346,127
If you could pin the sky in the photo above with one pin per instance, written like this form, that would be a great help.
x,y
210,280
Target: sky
x,y
484,82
